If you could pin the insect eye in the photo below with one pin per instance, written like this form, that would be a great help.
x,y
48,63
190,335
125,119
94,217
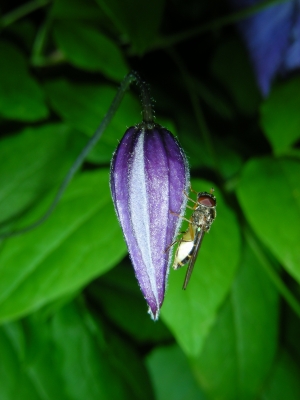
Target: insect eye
x,y
206,200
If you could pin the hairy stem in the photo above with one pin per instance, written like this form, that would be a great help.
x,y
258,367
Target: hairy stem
x,y
147,110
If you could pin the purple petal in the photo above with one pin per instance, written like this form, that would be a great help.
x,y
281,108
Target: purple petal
x,y
267,36
292,58
148,176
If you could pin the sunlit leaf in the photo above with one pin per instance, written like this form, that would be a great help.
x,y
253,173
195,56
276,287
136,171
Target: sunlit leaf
x,y
80,241
21,98
280,118
238,354
87,48
269,195
190,314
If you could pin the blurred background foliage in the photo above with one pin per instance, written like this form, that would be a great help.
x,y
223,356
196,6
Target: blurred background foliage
x,y
74,324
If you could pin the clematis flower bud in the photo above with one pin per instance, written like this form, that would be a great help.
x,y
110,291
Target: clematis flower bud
x,y
149,173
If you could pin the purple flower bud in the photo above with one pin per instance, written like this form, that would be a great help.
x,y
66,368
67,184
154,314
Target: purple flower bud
x,y
149,173
273,39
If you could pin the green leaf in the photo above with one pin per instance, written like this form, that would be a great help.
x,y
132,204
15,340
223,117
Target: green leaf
x,y
231,66
68,357
9,369
28,160
269,195
129,365
190,314
21,98
138,20
280,118
241,347
117,294
230,161
84,106
81,240
38,361
284,382
171,375
79,349
79,9
14,383
87,48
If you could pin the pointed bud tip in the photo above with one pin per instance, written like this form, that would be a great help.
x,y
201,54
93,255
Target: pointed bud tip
x,y
153,314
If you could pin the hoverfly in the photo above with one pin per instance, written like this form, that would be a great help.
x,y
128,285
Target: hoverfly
x,y
204,213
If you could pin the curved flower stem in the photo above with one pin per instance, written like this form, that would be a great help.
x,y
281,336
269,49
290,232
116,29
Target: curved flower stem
x,y
131,77
273,275
212,25
197,108
147,110
21,11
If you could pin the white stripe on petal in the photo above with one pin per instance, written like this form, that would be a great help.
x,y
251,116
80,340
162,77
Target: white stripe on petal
x,y
139,210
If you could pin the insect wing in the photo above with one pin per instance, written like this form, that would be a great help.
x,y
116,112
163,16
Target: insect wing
x,y
197,244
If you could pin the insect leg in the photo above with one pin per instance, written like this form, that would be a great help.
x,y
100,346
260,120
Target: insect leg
x,y
192,190
191,208
176,241
187,196
172,244
192,232
179,216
